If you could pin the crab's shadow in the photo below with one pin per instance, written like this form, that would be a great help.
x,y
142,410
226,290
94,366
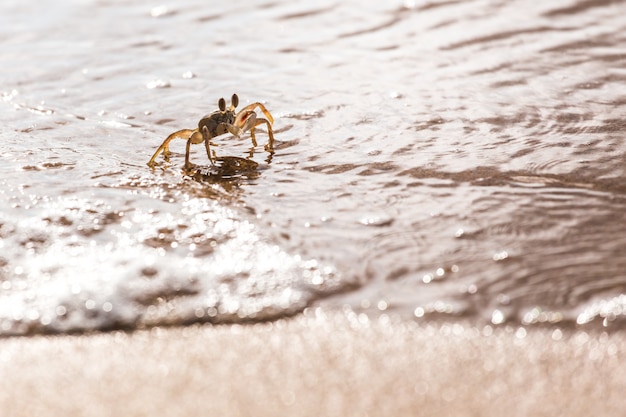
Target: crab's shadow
x,y
227,171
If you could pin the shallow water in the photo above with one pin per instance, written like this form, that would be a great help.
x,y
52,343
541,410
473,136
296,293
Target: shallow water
x,y
433,159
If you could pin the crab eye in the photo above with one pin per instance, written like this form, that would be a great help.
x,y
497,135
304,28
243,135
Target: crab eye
x,y
222,104
234,100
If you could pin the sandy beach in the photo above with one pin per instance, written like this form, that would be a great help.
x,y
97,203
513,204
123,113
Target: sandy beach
x,y
310,366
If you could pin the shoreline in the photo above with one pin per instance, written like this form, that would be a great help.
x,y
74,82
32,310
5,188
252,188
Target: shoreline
x,y
325,365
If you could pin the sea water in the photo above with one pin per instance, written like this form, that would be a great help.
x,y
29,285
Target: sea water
x,y
433,159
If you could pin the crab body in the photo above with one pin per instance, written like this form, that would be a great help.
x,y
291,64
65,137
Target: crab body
x,y
222,121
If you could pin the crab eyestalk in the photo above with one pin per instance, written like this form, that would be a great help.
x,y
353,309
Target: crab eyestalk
x,y
234,102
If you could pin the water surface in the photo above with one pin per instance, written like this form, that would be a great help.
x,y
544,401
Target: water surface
x,y
436,159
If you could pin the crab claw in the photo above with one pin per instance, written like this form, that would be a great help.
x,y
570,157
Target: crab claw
x,y
234,130
245,121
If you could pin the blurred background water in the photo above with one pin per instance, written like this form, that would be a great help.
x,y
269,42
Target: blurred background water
x,y
434,159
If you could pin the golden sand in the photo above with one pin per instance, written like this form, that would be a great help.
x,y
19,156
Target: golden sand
x,y
316,366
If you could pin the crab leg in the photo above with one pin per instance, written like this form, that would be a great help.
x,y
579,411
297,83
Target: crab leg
x,y
195,138
206,136
270,144
165,146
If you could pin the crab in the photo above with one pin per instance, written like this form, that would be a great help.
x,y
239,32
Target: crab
x,y
218,123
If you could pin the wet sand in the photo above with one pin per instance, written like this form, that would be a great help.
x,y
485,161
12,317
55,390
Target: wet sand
x,y
312,366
